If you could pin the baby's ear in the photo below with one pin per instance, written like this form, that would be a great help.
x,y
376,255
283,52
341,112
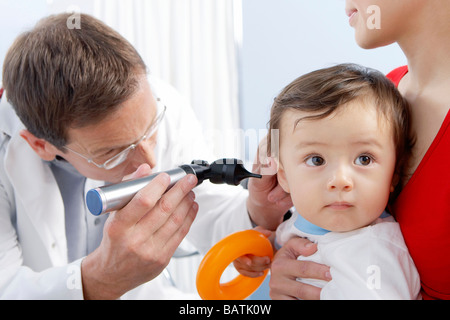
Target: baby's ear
x,y
281,175
395,182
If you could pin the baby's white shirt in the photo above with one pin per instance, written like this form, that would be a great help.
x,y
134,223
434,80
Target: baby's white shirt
x,y
368,263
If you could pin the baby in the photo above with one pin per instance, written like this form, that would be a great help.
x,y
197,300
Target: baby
x,y
344,144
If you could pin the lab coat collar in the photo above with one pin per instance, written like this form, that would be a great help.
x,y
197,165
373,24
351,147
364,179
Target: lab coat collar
x,y
6,114
36,190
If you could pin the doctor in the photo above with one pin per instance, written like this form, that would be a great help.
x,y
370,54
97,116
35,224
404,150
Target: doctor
x,y
79,110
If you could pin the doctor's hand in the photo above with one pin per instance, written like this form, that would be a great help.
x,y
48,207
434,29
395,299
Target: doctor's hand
x,y
267,202
140,239
286,269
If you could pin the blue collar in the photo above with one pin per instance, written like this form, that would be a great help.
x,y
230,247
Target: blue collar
x,y
305,226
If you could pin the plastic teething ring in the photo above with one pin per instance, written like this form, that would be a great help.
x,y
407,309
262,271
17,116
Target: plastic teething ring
x,y
221,256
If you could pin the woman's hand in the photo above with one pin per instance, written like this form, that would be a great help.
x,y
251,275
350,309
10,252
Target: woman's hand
x,y
286,269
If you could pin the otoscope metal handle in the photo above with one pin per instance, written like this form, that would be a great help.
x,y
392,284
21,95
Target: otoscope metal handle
x,y
115,197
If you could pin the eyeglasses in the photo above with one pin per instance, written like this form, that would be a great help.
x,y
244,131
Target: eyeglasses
x,y
123,155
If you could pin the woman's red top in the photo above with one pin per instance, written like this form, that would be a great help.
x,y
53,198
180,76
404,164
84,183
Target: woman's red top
x,y
423,212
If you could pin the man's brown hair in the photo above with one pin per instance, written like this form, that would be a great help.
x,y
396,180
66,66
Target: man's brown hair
x,y
58,78
325,91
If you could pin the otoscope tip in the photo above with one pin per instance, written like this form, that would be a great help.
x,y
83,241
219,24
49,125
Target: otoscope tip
x,y
254,175
243,174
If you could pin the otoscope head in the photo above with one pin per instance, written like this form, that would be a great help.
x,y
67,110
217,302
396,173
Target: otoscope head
x,y
229,171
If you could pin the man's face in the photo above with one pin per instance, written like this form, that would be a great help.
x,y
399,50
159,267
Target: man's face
x,y
102,141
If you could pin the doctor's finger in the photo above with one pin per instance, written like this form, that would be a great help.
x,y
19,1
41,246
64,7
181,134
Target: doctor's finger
x,y
172,207
164,228
144,201
277,194
173,240
143,171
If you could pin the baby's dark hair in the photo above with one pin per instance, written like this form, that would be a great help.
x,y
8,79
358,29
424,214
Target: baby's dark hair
x,y
325,91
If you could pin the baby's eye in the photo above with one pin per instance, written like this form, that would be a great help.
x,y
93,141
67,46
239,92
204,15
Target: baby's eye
x,y
363,160
315,161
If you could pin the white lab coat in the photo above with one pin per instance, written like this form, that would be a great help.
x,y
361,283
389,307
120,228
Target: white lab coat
x,y
33,246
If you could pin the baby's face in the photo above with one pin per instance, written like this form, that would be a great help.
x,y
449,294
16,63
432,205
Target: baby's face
x,y
339,169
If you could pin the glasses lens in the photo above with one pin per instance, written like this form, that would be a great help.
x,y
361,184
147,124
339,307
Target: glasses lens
x,y
122,156
118,159
157,122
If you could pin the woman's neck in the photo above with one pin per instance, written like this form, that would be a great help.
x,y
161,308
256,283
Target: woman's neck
x,y
427,47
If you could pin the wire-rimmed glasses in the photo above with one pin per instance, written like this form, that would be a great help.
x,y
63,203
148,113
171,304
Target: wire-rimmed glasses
x,y
122,155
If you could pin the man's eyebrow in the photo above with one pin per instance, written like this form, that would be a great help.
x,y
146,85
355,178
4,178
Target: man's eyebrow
x,y
103,150
100,152
121,147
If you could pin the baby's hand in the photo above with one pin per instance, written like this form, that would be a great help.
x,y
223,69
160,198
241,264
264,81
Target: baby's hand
x,y
253,266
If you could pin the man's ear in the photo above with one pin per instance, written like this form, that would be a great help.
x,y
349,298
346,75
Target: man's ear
x,y
282,178
44,149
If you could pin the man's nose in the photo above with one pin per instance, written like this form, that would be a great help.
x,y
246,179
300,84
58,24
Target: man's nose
x,y
145,153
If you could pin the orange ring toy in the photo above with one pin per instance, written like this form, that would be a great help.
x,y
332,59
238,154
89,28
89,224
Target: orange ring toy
x,y
221,256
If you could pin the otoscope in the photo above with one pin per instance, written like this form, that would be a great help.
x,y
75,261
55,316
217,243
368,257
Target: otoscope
x,y
116,196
